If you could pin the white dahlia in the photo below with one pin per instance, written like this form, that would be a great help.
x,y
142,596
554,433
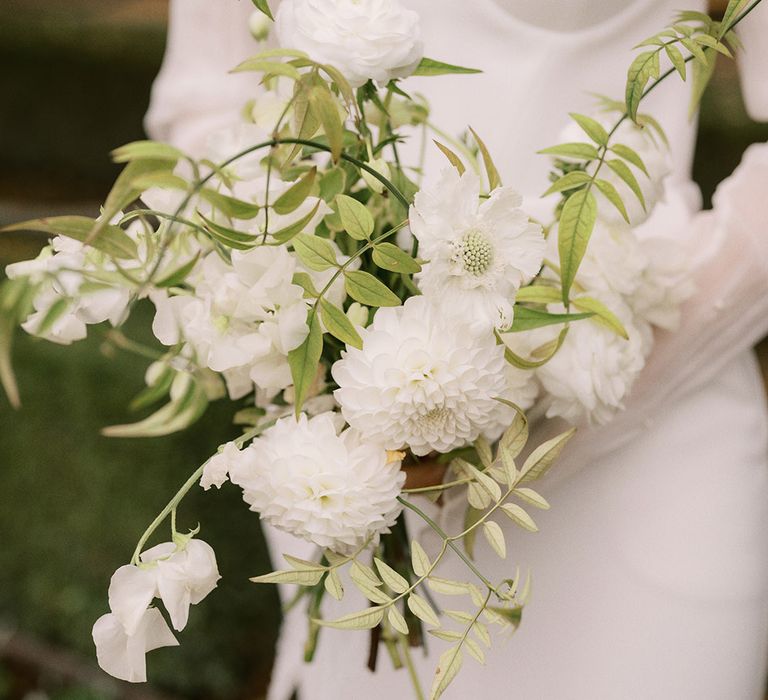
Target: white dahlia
x,y
594,370
478,252
335,490
365,39
425,380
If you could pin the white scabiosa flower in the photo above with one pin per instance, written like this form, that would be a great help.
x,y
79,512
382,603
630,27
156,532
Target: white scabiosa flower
x,y
423,379
365,39
591,375
243,317
478,252
123,655
335,490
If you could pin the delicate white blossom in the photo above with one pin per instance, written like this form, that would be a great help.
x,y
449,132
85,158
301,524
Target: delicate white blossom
x,y
365,39
426,380
592,374
185,575
243,317
123,655
478,252
335,490
216,469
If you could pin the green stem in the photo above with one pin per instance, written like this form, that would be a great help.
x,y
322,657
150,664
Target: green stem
x,y
411,668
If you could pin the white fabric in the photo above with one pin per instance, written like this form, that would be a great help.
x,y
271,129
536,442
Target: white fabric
x,y
650,570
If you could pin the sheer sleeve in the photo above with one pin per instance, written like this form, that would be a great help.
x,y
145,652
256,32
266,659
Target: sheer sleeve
x,y
194,93
753,62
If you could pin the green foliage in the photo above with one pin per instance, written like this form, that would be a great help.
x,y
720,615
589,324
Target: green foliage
x,y
577,221
305,359
429,66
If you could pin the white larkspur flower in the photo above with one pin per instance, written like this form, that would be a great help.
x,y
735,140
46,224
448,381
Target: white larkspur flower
x,y
123,655
335,490
245,317
365,39
478,253
594,370
424,379
185,575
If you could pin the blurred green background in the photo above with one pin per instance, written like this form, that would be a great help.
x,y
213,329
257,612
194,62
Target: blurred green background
x,y
75,82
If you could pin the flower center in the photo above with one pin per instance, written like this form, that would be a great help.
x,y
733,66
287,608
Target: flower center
x,y
475,253
435,419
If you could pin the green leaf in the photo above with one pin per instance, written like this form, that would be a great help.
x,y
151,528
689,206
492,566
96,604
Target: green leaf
x,y
300,577
390,577
305,359
230,206
177,276
577,221
289,232
527,319
676,59
630,156
447,669
602,314
294,196
695,49
642,69
541,459
338,324
419,559
365,288
545,353
229,237
511,615
315,252
333,585
397,621
584,151
446,586
532,497
363,620
591,128
341,83
519,516
429,66
453,159
422,609
190,403
732,10
260,65
495,537
332,183
623,171
388,256
702,73
263,5
326,107
111,240
569,181
712,43
355,217
515,437
612,195
494,179
539,294
146,149
361,572
471,516
304,280
163,180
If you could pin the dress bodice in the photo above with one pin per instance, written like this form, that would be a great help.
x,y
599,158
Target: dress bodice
x,y
534,75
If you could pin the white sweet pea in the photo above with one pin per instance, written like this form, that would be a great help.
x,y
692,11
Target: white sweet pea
x,y
216,469
185,575
123,655
131,590
365,39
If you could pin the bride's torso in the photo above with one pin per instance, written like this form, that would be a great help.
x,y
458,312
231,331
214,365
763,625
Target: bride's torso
x,y
541,59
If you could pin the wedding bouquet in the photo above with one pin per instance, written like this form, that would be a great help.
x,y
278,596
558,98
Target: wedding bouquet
x,y
382,334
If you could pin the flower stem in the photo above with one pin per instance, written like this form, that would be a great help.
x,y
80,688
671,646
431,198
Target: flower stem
x,y
411,668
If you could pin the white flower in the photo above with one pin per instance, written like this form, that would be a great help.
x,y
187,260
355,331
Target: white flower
x,y
62,306
185,575
594,370
245,316
335,490
424,379
365,39
478,253
123,655
259,25
131,590
217,468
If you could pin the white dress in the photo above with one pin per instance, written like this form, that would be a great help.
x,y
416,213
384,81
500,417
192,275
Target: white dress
x,y
650,571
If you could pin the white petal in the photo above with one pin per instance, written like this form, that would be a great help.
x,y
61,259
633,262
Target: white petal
x,y
131,590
